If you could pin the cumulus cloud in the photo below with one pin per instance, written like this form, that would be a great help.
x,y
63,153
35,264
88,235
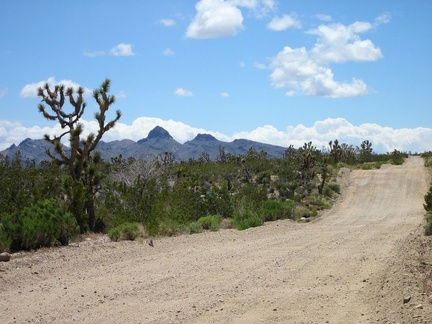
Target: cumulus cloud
x,y
225,95
215,18
30,90
297,71
384,139
168,22
303,71
183,92
168,52
323,17
283,23
259,8
338,43
383,18
93,53
122,49
221,18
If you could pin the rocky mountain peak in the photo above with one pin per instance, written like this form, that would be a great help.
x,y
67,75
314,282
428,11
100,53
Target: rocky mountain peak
x,y
158,132
205,137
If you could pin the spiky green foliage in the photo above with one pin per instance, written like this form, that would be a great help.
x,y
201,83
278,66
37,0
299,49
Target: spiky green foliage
x,y
42,224
78,159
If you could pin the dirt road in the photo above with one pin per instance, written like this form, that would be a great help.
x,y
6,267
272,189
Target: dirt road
x,y
337,269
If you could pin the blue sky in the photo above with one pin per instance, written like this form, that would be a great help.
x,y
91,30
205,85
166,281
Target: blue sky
x,y
280,72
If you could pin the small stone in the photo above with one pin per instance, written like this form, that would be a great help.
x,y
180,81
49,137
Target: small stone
x,y
5,257
406,299
430,299
419,306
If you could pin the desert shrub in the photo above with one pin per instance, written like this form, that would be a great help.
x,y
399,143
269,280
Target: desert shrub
x,y
428,206
427,159
210,222
126,231
245,216
227,223
335,187
428,200
4,240
397,158
327,191
301,211
168,227
316,202
428,226
39,225
276,209
195,228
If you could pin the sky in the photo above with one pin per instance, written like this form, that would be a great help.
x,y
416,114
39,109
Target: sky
x,y
279,72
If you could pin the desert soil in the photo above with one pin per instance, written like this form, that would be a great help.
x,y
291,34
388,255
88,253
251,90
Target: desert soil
x,y
354,264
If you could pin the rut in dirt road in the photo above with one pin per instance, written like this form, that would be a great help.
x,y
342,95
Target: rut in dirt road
x,y
283,272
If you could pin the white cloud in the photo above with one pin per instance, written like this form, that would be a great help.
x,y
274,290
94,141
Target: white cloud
x,y
3,92
297,71
168,22
225,95
308,72
339,43
183,92
283,23
323,17
384,139
260,66
122,49
93,53
383,18
215,18
260,8
168,52
30,90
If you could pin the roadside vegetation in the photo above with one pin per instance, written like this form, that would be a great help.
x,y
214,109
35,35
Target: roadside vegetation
x,y
75,191
137,199
428,197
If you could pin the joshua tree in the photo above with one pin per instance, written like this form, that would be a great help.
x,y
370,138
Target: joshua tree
x,y
336,151
78,159
365,151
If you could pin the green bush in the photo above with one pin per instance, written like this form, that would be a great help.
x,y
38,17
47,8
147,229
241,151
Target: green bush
x,y
4,240
126,231
195,228
428,206
428,227
39,225
210,222
272,210
428,200
334,186
302,211
316,202
245,217
168,227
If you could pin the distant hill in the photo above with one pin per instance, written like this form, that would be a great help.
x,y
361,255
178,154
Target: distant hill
x,y
157,142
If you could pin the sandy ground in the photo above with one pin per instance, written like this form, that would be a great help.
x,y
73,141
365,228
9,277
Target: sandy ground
x,y
355,264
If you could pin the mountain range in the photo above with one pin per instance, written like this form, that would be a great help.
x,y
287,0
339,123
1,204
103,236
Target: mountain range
x,y
157,142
